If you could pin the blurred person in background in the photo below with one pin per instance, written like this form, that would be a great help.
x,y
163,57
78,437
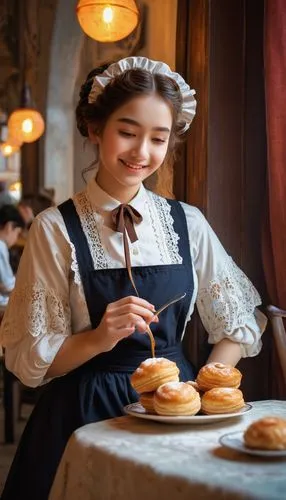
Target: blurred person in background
x,y
31,205
26,212
11,225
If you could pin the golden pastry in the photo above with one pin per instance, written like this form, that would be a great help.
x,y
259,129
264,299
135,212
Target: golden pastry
x,y
176,398
147,401
194,384
222,400
268,433
152,373
218,375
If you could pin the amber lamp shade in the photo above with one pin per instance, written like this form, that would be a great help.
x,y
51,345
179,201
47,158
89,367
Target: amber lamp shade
x,y
26,125
14,141
107,21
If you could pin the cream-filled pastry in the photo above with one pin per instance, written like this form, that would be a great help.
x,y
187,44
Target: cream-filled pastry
x,y
152,373
194,384
176,398
222,400
268,433
218,375
147,401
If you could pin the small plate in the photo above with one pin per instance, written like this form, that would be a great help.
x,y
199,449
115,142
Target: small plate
x,y
235,441
137,410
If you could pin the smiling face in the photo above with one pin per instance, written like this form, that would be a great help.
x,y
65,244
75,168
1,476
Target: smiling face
x,y
133,145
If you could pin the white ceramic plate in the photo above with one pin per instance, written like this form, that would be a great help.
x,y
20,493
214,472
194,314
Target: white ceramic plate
x,y
234,440
137,410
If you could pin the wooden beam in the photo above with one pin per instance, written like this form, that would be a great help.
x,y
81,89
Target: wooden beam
x,y
192,61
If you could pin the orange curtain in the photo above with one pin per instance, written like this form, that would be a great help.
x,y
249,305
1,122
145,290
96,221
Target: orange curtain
x,y
275,95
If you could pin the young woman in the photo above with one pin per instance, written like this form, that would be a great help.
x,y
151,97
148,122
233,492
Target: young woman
x,y
95,269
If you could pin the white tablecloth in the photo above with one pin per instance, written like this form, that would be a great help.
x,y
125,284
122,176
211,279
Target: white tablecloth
x,y
127,458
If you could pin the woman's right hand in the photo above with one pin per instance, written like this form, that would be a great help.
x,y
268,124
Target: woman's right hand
x,y
122,318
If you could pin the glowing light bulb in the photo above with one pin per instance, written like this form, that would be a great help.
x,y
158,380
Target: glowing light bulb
x,y
7,150
27,126
107,15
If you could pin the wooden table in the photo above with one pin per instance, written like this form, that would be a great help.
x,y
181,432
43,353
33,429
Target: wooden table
x,y
127,458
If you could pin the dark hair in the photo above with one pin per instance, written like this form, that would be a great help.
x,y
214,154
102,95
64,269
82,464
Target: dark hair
x,y
9,213
120,90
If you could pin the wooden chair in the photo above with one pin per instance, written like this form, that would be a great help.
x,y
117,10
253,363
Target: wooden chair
x,y
276,316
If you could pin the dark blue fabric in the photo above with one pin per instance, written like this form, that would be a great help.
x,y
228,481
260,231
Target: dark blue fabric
x,y
100,388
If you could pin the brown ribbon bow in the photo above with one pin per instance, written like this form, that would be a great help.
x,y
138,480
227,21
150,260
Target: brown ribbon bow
x,y
123,218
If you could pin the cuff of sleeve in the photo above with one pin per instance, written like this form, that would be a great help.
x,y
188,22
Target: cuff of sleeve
x,y
31,366
249,336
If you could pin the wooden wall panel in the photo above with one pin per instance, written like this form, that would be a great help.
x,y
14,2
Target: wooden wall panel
x,y
190,174
226,121
255,150
223,168
30,168
257,371
192,62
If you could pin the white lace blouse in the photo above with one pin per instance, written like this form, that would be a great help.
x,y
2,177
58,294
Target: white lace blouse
x,y
48,303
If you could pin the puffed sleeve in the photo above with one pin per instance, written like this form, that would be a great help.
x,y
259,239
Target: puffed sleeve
x,y
226,299
38,319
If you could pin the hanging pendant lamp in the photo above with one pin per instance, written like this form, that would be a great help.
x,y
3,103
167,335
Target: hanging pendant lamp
x,y
8,145
107,21
8,149
26,124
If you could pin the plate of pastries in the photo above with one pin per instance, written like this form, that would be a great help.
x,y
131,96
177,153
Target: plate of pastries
x,y
213,396
265,437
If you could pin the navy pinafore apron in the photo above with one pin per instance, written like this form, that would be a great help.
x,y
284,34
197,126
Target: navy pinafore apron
x,y
100,388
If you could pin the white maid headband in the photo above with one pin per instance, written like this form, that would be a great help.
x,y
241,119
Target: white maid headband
x,y
189,102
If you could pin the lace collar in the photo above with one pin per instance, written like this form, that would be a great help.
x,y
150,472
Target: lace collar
x,y
103,202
